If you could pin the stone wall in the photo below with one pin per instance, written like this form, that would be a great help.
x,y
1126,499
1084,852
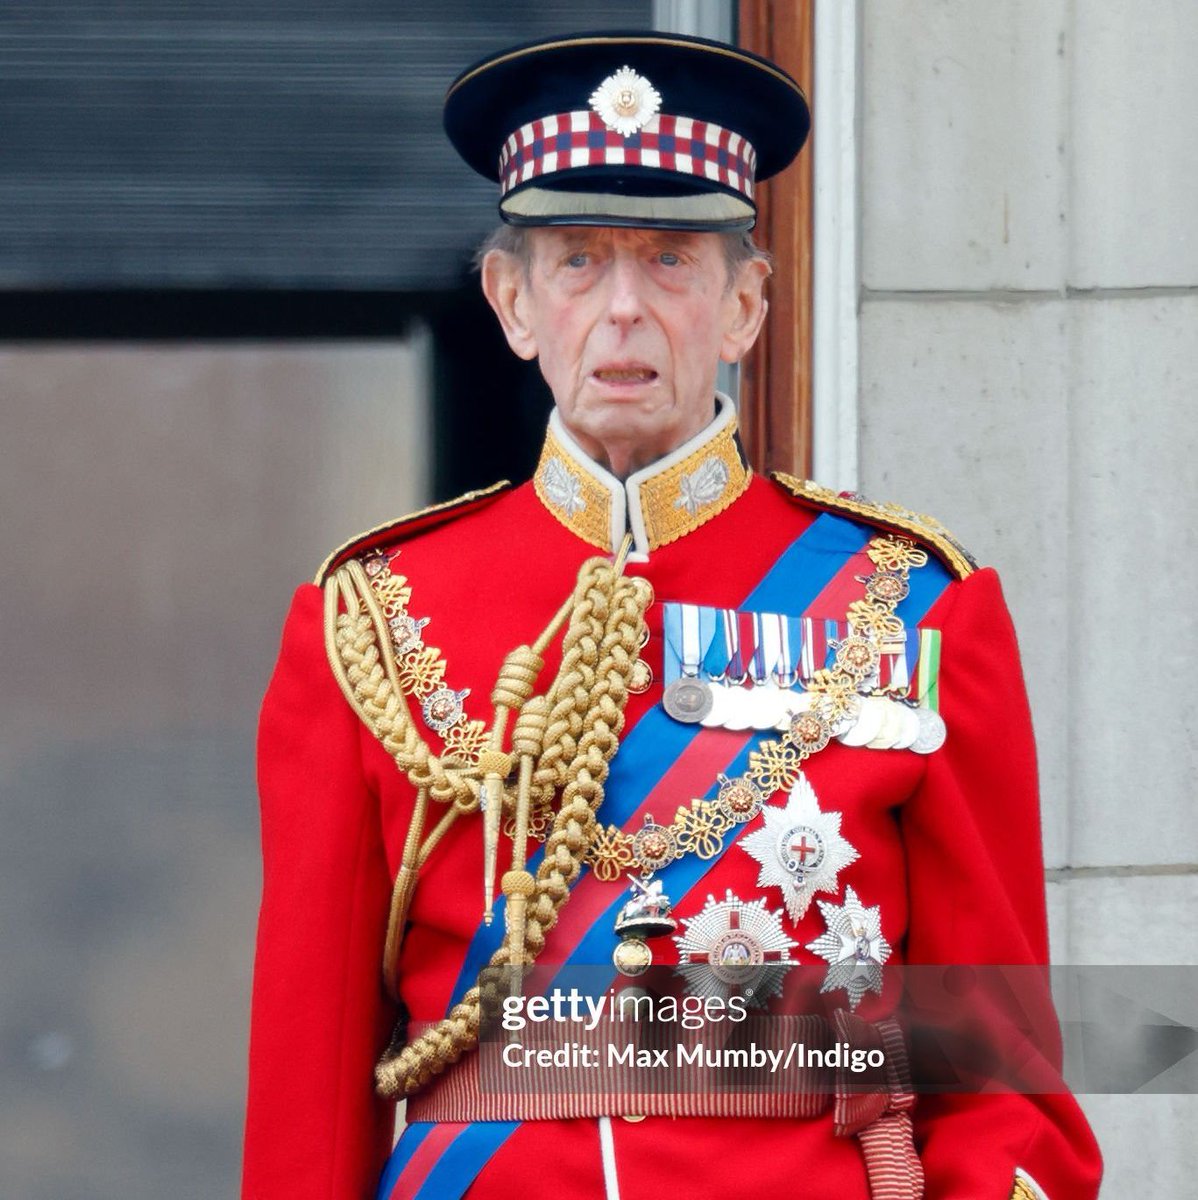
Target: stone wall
x,y
1029,348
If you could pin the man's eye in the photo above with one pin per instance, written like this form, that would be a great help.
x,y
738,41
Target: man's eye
x,y
668,258
577,260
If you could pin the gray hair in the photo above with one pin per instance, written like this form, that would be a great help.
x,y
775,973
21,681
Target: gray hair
x,y
739,247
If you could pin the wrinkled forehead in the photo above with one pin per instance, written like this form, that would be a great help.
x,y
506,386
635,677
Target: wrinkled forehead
x,y
553,239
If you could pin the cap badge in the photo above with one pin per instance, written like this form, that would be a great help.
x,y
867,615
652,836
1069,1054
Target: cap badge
x,y
626,102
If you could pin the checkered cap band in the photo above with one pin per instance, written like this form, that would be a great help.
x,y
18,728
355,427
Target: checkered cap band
x,y
681,145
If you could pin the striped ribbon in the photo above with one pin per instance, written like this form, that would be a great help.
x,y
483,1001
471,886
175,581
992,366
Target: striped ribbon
x,y
908,666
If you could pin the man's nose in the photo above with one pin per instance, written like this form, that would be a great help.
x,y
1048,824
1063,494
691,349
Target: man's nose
x,y
626,299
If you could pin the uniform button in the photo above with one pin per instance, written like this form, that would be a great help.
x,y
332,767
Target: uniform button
x,y
633,1116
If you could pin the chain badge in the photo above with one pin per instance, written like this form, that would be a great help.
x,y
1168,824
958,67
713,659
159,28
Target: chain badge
x,y
443,708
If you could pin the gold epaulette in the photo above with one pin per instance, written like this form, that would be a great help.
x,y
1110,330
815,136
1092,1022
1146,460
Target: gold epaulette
x,y
893,517
424,518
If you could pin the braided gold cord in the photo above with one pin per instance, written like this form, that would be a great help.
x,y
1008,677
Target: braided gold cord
x,y
572,743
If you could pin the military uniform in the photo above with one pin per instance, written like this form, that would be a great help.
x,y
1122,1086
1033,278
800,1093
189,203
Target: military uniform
x,y
948,843
888,816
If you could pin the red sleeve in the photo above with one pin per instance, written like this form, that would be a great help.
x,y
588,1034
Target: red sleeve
x,y
320,1018
976,889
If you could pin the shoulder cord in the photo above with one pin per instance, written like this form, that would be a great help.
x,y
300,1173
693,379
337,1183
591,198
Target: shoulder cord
x,y
563,739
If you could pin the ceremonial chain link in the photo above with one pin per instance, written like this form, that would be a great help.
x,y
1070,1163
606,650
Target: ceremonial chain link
x,y
420,666
835,700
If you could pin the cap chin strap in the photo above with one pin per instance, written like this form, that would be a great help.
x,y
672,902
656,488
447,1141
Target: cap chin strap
x,y
544,206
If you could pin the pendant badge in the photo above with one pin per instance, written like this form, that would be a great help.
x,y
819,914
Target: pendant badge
x,y
734,947
853,947
800,849
646,915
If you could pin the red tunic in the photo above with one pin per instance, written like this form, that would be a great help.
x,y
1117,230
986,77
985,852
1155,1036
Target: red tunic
x,y
949,847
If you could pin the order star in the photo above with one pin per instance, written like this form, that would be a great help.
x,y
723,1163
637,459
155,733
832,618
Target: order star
x,y
800,849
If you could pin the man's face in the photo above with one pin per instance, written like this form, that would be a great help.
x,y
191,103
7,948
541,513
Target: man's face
x,y
629,327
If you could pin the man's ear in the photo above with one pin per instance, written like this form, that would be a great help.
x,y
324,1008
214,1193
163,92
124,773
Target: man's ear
x,y
747,306
505,285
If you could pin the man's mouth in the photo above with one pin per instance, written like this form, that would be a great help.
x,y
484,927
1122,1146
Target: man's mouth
x,y
625,374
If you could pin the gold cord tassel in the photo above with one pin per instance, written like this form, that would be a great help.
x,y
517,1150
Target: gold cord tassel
x,y
567,738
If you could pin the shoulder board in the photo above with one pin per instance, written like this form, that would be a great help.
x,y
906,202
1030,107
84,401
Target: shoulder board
x,y
893,517
417,522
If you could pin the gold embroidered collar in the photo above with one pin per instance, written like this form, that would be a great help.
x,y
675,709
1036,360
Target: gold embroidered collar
x,y
660,503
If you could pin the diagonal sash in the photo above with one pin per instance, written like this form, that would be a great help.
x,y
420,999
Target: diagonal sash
x,y
686,876
440,1160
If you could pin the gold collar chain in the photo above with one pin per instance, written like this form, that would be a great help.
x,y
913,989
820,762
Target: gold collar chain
x,y
774,766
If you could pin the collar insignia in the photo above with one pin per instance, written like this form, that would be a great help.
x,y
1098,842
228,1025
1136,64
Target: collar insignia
x,y
659,504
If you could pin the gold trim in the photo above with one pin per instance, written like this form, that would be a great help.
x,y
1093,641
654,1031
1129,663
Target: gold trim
x,y
673,502
1025,1187
726,51
586,510
666,509
398,522
892,516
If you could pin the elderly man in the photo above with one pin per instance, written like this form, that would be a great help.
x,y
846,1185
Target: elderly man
x,y
648,716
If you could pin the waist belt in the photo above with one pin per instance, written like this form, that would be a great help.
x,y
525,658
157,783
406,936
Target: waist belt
x,y
877,1113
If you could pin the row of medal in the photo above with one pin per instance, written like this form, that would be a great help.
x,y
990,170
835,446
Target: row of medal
x,y
738,670
740,947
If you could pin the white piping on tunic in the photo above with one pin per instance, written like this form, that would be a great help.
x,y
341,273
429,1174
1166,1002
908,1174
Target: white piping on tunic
x,y
1037,1190
607,1152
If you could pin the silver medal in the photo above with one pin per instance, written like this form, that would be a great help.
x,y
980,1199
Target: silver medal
x,y
765,705
853,947
765,696
867,724
687,700
892,726
737,712
791,704
910,728
932,732
715,715
801,850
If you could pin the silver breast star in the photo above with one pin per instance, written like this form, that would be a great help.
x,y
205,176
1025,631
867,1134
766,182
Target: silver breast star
x,y
853,947
800,849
